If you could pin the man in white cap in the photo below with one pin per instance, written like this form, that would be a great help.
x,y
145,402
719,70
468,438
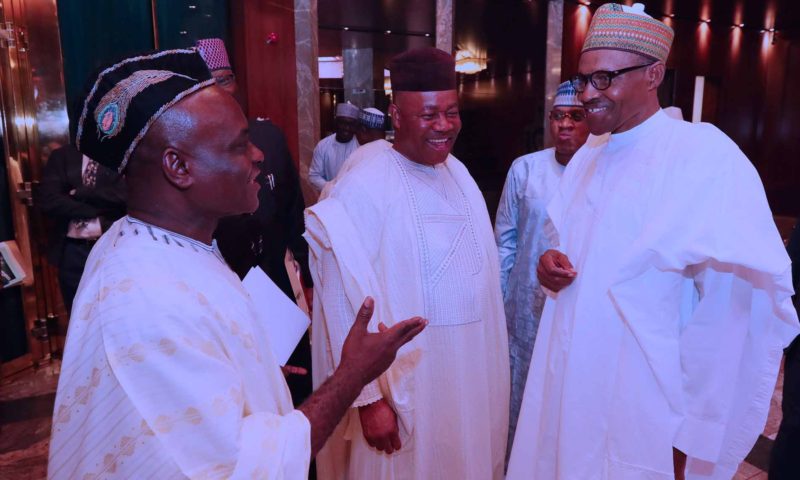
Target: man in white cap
x,y
670,286
371,126
521,239
333,150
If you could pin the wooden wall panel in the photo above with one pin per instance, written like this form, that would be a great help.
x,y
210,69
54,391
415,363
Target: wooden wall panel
x,y
267,73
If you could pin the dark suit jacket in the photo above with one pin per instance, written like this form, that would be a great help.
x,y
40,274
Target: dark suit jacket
x,y
61,175
263,237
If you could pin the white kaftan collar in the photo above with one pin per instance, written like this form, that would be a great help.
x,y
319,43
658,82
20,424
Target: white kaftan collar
x,y
177,238
655,122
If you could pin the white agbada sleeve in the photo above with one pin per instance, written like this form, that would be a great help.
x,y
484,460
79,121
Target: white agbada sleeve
x,y
505,228
731,339
340,317
316,171
204,421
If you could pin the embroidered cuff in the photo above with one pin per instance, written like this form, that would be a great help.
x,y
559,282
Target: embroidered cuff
x,y
371,393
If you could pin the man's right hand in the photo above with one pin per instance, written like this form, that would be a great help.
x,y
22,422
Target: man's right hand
x,y
369,354
555,270
379,424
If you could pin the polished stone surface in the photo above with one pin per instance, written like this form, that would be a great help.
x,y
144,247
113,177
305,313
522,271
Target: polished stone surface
x,y
307,51
358,77
444,25
552,69
26,408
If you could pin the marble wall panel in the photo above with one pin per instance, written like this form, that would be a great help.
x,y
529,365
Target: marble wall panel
x,y
307,51
445,14
552,69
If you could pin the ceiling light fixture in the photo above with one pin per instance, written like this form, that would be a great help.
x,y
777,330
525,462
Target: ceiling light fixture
x,y
469,63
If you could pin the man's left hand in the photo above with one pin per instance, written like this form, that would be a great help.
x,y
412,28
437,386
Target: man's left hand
x,y
379,424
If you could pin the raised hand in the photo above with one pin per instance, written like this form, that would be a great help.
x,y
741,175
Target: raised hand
x,y
370,354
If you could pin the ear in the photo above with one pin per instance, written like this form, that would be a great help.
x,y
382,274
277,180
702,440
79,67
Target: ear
x,y
394,113
176,170
655,75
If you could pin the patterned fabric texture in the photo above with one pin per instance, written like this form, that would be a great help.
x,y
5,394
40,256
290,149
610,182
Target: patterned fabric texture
x,y
372,118
567,96
618,27
214,53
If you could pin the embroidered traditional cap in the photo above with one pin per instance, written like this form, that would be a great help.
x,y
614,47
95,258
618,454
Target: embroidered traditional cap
x,y
214,53
129,96
567,96
425,69
619,27
372,118
347,110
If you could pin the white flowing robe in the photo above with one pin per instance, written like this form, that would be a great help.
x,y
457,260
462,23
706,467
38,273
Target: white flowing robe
x,y
167,373
519,230
672,333
328,157
385,231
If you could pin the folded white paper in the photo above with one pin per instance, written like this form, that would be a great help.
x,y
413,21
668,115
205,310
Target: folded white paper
x,y
283,321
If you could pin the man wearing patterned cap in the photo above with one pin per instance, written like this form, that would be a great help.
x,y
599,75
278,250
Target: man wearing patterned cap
x,y
261,239
408,224
371,126
167,371
670,286
331,152
519,230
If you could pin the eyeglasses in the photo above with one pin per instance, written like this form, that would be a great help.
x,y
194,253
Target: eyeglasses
x,y
576,116
601,79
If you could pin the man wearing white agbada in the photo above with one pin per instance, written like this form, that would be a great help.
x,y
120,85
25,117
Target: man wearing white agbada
x,y
664,338
521,240
331,152
167,371
424,244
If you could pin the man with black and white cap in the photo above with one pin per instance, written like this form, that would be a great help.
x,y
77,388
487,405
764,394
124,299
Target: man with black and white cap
x,y
167,371
521,237
372,126
670,286
331,152
407,223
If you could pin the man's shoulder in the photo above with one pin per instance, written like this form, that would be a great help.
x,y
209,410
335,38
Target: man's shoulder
x,y
534,158
703,144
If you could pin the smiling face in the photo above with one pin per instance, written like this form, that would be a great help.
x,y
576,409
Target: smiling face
x,y
426,125
629,99
346,128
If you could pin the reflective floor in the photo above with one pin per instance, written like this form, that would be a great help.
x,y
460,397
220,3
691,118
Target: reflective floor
x,y
26,405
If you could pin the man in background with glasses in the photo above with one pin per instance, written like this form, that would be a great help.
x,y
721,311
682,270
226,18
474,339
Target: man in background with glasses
x,y
519,230
658,350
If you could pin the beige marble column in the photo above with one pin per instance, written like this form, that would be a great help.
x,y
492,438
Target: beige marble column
x,y
552,67
307,53
445,16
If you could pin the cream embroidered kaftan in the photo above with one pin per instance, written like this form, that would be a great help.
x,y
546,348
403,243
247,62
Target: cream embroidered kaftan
x,y
418,239
167,373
